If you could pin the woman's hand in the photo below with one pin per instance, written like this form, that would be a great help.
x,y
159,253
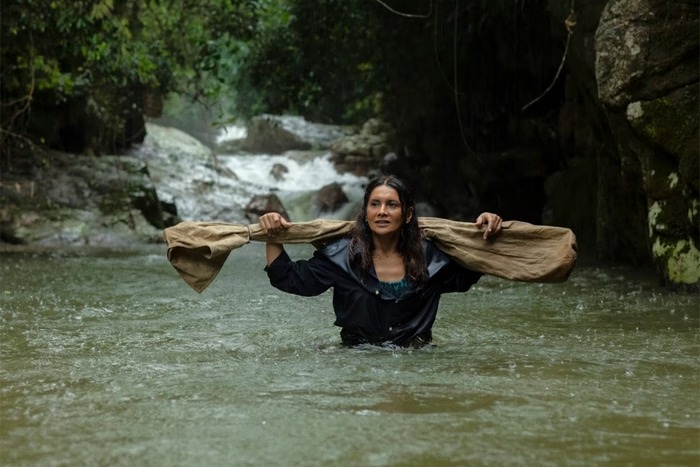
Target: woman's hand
x,y
493,224
273,222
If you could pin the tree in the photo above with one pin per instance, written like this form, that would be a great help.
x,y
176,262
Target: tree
x,y
79,75
317,60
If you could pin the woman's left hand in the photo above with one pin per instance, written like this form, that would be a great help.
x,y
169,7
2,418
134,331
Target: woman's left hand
x,y
493,224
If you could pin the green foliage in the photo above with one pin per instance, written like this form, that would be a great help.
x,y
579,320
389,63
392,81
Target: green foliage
x,y
151,43
329,60
109,52
316,59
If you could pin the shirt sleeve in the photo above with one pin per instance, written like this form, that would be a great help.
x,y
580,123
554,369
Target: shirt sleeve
x,y
455,278
302,277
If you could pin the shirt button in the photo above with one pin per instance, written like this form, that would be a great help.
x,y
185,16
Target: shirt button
x,y
391,328
376,292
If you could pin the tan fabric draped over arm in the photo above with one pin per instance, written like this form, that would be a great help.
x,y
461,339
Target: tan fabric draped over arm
x,y
198,250
522,252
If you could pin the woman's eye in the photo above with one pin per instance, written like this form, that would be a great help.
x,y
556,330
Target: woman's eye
x,y
388,205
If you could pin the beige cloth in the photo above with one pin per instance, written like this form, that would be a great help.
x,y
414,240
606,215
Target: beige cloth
x,y
522,252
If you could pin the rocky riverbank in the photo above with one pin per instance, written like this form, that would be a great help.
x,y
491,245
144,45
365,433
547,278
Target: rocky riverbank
x,y
69,199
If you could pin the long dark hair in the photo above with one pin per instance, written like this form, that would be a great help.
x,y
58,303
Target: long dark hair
x,y
410,245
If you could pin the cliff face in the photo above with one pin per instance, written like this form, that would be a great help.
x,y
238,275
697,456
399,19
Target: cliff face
x,y
647,76
633,76
611,150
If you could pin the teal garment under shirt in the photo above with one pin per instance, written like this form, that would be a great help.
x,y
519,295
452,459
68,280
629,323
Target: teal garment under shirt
x,y
396,288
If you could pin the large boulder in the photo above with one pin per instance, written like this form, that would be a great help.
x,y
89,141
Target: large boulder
x,y
276,134
330,198
81,200
363,152
175,143
261,204
647,75
189,176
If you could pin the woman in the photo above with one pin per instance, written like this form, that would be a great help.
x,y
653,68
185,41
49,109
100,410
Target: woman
x,y
386,279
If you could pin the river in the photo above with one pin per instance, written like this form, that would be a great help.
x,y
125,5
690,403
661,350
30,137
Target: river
x,y
109,358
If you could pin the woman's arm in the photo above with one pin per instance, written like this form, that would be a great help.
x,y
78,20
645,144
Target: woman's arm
x,y
272,252
271,223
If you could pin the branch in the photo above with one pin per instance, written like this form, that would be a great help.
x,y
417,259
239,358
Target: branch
x,y
26,107
11,134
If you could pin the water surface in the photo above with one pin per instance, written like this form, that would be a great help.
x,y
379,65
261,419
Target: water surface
x,y
109,358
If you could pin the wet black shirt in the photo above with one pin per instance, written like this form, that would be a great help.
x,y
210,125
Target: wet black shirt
x,y
367,312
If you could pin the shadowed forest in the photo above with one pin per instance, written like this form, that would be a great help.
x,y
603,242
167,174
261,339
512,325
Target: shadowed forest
x,y
579,114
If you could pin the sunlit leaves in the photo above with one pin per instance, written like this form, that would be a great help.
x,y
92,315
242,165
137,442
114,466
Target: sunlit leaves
x,y
102,58
152,43
101,9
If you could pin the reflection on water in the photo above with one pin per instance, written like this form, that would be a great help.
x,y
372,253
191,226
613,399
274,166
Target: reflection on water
x,y
108,358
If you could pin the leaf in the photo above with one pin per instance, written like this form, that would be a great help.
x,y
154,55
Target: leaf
x,y
101,9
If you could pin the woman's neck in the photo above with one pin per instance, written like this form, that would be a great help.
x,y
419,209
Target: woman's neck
x,y
385,246
388,263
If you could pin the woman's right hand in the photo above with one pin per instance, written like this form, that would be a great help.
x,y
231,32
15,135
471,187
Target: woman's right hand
x,y
273,222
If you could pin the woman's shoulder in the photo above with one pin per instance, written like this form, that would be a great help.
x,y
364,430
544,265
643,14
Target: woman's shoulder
x,y
336,247
336,252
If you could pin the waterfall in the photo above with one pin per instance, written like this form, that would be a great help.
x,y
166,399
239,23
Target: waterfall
x,y
307,172
304,173
217,185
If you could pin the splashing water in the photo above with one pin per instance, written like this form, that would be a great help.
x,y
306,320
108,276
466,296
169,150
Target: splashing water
x,y
209,187
306,173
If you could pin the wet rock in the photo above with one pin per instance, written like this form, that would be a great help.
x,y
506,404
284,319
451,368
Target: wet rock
x,y
230,139
650,94
330,198
276,134
278,171
83,200
190,178
261,204
175,143
362,154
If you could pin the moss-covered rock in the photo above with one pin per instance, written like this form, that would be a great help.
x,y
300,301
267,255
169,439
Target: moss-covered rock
x,y
680,260
650,92
670,121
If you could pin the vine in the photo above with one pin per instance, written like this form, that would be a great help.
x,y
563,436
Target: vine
x,y
7,127
569,23
408,15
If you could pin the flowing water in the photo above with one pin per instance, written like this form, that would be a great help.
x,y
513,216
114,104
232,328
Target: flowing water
x,y
205,187
108,358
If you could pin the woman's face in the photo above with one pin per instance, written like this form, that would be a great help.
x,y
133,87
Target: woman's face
x,y
383,211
